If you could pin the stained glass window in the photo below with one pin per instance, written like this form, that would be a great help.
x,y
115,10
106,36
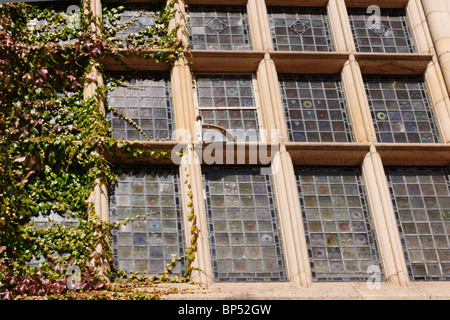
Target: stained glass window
x,y
315,108
390,35
148,244
243,225
145,15
421,198
339,233
401,110
52,220
300,29
146,99
48,221
219,28
70,11
229,102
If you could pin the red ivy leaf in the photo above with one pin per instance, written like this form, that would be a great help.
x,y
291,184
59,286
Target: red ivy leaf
x,y
96,51
43,72
28,176
21,159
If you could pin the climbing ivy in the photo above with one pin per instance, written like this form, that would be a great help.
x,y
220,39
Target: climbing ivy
x,y
52,141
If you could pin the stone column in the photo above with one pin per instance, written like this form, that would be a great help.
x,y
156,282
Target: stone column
x,y
288,205
183,98
266,34
255,27
340,26
190,166
438,17
191,181
99,196
291,224
272,108
357,102
385,226
352,81
435,74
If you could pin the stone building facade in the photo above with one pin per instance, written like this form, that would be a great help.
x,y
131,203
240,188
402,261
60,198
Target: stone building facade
x,y
352,99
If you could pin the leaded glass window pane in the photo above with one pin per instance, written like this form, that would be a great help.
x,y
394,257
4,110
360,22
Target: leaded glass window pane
x,y
315,108
146,99
390,35
300,29
52,220
42,222
148,244
70,19
243,225
145,14
400,109
421,198
219,28
229,102
338,227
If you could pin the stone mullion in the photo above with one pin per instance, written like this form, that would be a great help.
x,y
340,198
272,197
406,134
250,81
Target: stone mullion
x,y
438,20
266,35
380,204
383,216
353,86
340,27
255,27
434,76
99,196
191,181
190,166
288,205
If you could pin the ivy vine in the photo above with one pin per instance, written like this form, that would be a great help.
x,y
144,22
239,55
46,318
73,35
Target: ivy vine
x,y
52,141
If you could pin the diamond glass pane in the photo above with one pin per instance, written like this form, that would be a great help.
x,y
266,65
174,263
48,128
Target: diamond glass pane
x,y
300,29
218,28
390,35
146,17
148,244
146,99
421,198
243,226
339,233
401,109
315,108
231,104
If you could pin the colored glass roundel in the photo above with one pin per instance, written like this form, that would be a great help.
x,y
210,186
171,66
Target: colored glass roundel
x,y
300,29
146,99
218,28
243,226
148,244
338,227
389,35
315,108
401,110
421,198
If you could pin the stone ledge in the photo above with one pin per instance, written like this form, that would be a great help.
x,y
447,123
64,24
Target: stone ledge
x,y
318,291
